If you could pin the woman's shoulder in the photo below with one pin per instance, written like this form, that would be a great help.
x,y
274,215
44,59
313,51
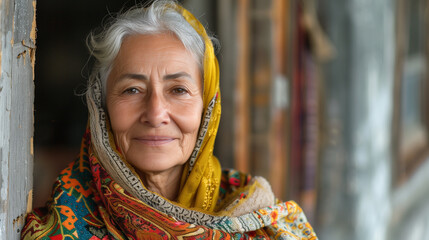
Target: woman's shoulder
x,y
241,192
248,199
72,210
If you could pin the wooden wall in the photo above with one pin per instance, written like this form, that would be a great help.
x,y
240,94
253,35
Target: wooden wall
x,y
255,71
17,54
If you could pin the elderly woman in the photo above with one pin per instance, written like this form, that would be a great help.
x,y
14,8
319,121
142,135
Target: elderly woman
x,y
146,169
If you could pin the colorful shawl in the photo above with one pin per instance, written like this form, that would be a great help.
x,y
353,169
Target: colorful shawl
x,y
88,204
99,196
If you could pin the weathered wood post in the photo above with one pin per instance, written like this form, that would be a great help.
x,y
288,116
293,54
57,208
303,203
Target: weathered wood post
x,y
17,58
355,177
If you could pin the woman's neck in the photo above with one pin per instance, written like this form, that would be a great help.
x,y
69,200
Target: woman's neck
x,y
166,183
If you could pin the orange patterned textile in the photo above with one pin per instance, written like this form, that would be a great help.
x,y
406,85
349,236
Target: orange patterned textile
x,y
88,204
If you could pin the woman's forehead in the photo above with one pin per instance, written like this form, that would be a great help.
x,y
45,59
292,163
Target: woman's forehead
x,y
165,51
162,54
152,48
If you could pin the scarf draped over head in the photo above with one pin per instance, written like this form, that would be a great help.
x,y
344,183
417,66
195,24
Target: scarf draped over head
x,y
201,186
202,173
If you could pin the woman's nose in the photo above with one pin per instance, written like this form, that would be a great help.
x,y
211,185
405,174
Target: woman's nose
x,y
156,112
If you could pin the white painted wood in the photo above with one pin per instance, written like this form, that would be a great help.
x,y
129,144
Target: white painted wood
x,y
355,177
17,29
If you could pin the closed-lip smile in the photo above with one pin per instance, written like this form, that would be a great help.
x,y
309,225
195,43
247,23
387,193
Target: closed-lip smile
x,y
154,140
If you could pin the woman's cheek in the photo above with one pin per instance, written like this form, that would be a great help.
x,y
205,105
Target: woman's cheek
x,y
121,115
121,122
122,142
189,117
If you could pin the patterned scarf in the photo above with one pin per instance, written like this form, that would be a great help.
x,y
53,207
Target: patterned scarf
x,y
88,204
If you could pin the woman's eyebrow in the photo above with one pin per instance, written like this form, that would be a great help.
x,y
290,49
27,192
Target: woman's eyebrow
x,y
143,77
177,75
133,76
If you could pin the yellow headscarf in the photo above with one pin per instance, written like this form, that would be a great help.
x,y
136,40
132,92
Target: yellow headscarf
x,y
202,174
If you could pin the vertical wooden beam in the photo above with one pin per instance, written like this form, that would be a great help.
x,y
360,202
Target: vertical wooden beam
x,y
278,133
426,116
295,126
400,45
280,13
17,58
242,120
226,31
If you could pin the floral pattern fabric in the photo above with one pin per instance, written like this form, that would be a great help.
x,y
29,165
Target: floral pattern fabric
x,y
88,204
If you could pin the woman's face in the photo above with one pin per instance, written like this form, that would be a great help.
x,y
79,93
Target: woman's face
x,y
154,101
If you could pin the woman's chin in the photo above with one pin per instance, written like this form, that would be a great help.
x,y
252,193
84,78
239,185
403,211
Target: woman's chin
x,y
155,162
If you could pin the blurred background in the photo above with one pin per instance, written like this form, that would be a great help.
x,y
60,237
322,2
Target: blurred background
x,y
328,100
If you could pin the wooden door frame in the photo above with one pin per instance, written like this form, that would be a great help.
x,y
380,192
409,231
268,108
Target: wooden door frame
x,y
17,59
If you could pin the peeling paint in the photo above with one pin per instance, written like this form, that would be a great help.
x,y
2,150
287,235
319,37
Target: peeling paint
x,y
33,25
22,54
33,59
32,144
18,36
30,201
13,30
18,221
32,52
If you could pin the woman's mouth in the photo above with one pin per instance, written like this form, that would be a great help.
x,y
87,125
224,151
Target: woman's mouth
x,y
154,140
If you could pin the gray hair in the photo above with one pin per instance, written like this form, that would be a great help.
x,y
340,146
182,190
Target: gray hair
x,y
160,17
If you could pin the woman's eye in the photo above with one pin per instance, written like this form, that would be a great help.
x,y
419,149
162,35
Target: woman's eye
x,y
179,90
131,91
